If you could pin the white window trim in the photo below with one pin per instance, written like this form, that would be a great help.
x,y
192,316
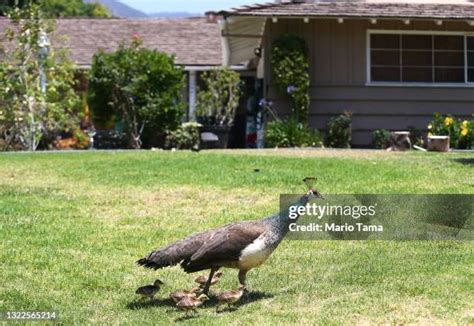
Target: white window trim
x,y
369,82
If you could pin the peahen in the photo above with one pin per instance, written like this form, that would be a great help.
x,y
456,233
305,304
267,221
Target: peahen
x,y
242,245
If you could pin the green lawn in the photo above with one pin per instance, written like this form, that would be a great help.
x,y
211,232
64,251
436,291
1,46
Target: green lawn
x,y
73,225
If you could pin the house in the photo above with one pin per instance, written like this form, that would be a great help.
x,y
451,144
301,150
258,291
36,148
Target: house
x,y
195,42
391,63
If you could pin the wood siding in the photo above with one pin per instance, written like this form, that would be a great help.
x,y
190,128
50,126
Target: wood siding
x,y
338,78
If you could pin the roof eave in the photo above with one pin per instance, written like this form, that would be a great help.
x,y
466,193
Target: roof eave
x,y
332,16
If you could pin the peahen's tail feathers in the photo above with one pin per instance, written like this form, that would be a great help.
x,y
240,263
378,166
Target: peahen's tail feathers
x,y
174,253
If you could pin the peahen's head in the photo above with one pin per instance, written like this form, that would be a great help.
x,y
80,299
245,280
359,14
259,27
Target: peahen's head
x,y
314,194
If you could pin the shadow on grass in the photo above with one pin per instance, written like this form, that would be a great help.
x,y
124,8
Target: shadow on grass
x,y
247,298
186,317
146,304
465,161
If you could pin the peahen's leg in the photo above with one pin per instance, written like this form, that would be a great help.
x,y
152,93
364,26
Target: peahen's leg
x,y
209,280
242,277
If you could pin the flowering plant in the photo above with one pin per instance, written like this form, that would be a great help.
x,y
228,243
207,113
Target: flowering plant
x,y
290,68
461,134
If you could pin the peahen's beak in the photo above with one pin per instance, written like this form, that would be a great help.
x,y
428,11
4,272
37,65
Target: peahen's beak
x,y
315,193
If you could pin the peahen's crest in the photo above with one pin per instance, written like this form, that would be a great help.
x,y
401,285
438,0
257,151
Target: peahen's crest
x,y
310,182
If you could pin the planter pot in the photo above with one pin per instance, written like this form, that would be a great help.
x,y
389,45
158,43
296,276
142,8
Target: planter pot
x,y
399,141
214,136
438,143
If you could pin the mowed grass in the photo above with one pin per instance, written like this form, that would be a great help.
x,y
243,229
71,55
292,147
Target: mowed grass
x,y
73,225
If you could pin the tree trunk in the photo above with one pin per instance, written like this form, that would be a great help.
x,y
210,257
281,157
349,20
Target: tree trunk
x,y
130,117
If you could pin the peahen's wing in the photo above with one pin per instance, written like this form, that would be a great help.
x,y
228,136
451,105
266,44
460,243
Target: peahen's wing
x,y
224,245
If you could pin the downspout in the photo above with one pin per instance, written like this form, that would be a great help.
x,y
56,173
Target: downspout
x,y
192,80
224,43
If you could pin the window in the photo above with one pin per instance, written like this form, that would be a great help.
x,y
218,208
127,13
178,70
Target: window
x,y
470,58
421,58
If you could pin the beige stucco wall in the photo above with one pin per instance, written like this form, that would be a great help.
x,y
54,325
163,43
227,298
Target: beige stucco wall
x,y
338,78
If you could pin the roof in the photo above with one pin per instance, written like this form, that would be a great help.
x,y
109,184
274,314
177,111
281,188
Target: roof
x,y
194,41
350,9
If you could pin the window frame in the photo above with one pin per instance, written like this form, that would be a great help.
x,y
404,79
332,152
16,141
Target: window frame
x,y
369,82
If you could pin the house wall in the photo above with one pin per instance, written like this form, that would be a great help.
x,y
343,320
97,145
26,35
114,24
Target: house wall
x,y
338,78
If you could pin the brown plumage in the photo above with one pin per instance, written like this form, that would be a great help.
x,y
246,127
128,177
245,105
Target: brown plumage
x,y
202,279
188,304
212,249
181,294
149,291
242,245
229,297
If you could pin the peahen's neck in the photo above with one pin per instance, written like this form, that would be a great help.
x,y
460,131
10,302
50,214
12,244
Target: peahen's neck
x,y
281,221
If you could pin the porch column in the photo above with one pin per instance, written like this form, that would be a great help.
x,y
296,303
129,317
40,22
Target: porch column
x,y
192,95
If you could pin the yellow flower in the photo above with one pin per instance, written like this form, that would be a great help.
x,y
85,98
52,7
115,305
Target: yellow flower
x,y
465,123
430,126
430,134
464,132
448,121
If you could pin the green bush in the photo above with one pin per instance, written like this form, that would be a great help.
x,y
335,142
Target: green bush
x,y
290,64
187,136
290,133
381,138
339,131
140,87
461,133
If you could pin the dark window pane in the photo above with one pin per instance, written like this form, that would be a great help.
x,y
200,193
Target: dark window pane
x,y
384,41
449,59
448,42
470,59
386,58
386,74
417,75
470,75
417,58
470,43
449,75
420,42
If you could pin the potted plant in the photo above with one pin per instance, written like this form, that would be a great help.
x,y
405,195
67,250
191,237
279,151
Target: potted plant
x,y
216,105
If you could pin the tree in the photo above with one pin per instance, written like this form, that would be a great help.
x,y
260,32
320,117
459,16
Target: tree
x,y
140,87
59,8
219,98
74,8
36,88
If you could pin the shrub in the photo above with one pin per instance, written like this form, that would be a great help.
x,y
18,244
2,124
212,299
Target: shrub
x,y
290,133
138,86
77,139
339,131
381,138
187,136
218,100
461,134
290,64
